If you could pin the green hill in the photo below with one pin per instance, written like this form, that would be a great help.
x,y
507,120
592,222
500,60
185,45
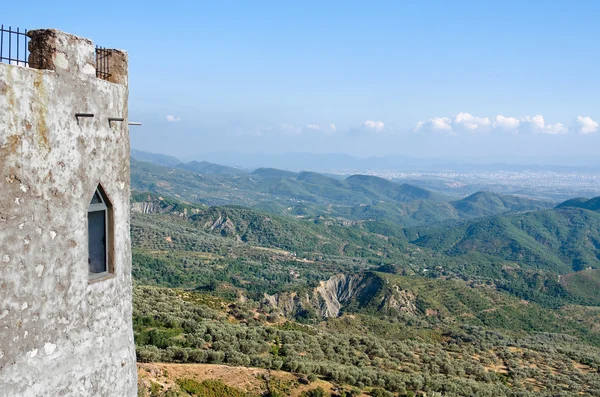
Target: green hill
x,y
453,300
584,285
483,204
561,240
320,179
272,173
311,195
387,190
591,204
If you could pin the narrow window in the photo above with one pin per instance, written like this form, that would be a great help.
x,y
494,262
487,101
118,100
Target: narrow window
x,y
98,235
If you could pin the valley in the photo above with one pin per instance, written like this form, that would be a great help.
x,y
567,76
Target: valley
x,y
364,285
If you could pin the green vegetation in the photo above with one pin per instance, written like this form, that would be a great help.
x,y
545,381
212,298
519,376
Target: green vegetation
x,y
191,246
209,388
399,353
585,286
591,204
371,285
561,240
184,387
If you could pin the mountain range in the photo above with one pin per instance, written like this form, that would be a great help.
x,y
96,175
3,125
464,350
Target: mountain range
x,y
309,194
363,282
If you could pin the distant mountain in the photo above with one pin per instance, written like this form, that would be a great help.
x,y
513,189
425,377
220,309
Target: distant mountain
x,y
487,204
591,204
204,167
273,173
320,179
320,162
385,189
310,195
155,158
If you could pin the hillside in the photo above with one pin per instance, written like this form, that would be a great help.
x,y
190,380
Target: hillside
x,y
303,297
591,204
584,285
561,240
216,380
450,301
273,173
483,204
434,350
384,189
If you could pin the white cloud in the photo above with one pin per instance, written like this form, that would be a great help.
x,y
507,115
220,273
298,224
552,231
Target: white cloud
x,y
506,123
172,119
289,129
376,126
327,129
467,123
436,124
537,125
462,122
555,129
584,125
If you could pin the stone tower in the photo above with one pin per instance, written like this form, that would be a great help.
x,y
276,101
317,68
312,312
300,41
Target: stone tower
x,y
65,250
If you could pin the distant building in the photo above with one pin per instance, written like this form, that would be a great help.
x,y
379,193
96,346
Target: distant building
x,y
65,250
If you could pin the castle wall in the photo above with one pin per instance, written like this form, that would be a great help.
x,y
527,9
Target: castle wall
x,y
60,334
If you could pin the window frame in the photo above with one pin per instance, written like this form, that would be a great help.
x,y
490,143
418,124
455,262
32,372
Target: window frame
x,y
103,206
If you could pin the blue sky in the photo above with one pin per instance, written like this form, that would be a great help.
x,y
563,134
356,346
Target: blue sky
x,y
368,78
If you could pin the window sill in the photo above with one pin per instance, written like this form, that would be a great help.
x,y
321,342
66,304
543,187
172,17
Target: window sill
x,y
98,277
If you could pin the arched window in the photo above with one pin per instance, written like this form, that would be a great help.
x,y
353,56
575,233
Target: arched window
x,y
99,241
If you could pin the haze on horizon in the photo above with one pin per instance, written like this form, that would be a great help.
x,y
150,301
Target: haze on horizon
x,y
426,79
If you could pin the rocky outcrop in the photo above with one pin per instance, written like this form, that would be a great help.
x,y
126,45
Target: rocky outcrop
x,y
288,302
146,207
157,205
221,223
401,300
336,291
341,291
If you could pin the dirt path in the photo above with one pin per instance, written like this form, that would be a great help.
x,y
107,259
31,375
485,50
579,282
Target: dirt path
x,y
248,379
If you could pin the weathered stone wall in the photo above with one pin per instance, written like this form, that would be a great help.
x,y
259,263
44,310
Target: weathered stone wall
x,y
61,335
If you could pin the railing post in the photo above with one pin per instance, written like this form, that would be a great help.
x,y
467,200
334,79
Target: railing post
x,y
17,55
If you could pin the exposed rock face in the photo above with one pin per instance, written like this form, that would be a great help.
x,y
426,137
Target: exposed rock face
x,y
145,208
287,302
221,224
157,206
402,301
331,294
358,290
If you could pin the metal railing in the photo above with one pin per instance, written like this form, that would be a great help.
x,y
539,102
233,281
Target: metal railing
x,y
14,46
102,64
14,50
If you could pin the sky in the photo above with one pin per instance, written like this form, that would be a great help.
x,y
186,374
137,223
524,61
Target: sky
x,y
502,79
